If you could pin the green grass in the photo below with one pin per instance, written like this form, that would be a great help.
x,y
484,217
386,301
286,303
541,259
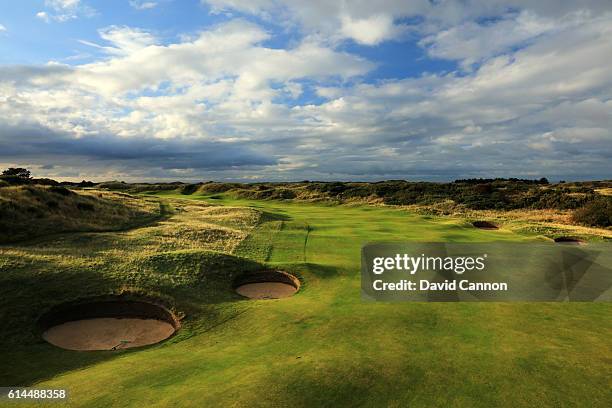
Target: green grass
x,y
322,347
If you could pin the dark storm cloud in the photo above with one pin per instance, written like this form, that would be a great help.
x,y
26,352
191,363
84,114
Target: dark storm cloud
x,y
43,145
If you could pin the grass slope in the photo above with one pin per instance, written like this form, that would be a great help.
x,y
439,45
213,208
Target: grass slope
x,y
322,347
33,210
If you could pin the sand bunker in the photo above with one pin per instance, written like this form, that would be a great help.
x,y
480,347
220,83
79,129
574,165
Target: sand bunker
x,y
486,225
107,324
267,285
569,240
266,290
108,333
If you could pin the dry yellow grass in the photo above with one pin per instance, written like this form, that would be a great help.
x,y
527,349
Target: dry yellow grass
x,y
605,191
187,231
193,226
34,210
548,222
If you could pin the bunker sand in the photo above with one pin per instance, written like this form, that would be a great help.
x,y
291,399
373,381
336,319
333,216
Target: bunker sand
x,y
108,333
266,290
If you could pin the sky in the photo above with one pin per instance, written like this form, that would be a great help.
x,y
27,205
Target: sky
x,y
290,90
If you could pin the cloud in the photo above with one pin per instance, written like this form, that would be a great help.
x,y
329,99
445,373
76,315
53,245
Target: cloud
x,y
126,40
334,21
532,100
369,31
64,10
193,97
230,50
41,145
381,20
2,28
472,42
143,5
43,16
542,109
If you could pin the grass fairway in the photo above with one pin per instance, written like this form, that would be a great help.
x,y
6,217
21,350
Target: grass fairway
x,y
321,347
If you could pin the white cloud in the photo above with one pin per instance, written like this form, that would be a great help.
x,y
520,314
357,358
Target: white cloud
x,y
223,75
369,31
62,4
126,40
143,5
327,19
2,28
552,96
378,19
43,16
228,50
471,42
64,10
537,101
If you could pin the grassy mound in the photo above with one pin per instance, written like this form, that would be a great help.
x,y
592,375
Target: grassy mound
x,y
190,248
175,261
34,210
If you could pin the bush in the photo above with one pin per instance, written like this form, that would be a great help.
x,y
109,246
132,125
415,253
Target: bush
x,y
597,213
215,188
16,180
85,183
45,182
189,189
283,194
61,190
85,206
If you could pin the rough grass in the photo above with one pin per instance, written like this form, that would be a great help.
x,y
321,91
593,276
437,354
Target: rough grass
x,y
183,259
497,194
323,346
549,223
30,211
605,191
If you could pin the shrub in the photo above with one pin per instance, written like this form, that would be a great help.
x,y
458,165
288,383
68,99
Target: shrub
x,y
114,185
485,188
85,206
284,194
61,190
45,182
597,213
189,189
16,180
215,188
85,183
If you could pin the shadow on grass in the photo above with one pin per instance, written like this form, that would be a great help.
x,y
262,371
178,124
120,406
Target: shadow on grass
x,y
25,357
205,298
270,216
165,212
28,365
